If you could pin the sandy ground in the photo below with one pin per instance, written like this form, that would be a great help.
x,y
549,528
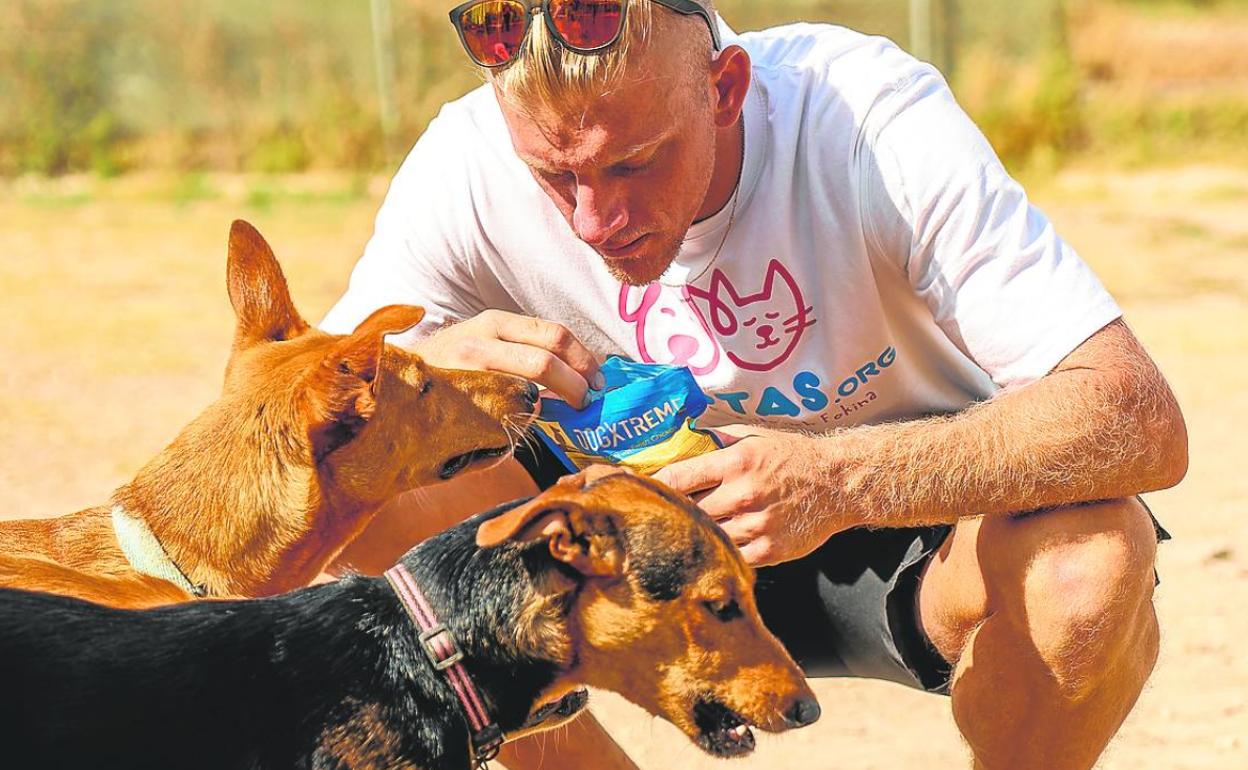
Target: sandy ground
x,y
114,327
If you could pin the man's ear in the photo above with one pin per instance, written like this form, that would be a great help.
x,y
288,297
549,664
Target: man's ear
x,y
587,543
343,389
730,77
258,290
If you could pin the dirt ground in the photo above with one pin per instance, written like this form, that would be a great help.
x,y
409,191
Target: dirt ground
x,y
114,327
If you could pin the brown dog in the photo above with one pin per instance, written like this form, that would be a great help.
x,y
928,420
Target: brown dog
x,y
312,433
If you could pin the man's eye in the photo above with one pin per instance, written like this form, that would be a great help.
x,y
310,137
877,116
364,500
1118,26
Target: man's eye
x,y
630,169
724,611
556,178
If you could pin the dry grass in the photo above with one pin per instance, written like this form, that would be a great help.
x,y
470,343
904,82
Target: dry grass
x,y
1120,43
113,86
1135,83
116,327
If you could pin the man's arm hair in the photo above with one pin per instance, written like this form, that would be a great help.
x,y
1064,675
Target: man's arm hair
x,y
1103,424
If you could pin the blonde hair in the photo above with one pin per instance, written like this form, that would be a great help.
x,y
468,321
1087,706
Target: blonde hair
x,y
544,73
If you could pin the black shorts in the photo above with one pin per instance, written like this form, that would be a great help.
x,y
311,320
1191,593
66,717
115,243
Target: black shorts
x,y
850,608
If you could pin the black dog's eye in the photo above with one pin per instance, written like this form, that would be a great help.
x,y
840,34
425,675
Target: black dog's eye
x,y
724,611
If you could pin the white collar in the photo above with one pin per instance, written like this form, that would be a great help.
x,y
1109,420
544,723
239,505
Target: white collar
x,y
145,553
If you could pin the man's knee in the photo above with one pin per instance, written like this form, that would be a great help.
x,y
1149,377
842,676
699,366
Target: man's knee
x,y
1087,596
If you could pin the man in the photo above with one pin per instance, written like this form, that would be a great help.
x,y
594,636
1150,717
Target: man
x,y
937,422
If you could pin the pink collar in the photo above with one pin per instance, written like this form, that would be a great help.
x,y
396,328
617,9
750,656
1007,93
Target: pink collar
x,y
439,645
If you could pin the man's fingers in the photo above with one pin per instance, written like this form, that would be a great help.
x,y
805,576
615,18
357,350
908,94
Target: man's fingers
x,y
540,366
551,337
493,355
721,503
541,351
697,474
741,529
748,533
759,553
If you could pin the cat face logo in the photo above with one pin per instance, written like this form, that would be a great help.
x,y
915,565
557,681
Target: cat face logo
x,y
757,331
669,328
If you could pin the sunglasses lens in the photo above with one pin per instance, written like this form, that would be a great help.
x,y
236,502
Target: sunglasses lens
x,y
587,24
493,30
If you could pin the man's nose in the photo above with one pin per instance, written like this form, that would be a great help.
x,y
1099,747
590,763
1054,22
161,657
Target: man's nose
x,y
598,215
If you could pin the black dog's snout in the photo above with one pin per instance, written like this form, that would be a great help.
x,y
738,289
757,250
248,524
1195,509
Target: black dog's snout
x,y
573,702
804,711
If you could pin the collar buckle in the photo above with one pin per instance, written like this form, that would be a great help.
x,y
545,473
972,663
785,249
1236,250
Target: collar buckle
x,y
446,656
440,647
486,743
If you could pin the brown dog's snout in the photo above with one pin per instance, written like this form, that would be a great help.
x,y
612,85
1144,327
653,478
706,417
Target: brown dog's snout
x,y
524,392
802,712
497,395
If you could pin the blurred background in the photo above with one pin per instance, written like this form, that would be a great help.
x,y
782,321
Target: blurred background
x,y
133,131
112,86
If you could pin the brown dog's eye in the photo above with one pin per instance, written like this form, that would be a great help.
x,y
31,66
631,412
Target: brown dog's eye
x,y
425,386
724,611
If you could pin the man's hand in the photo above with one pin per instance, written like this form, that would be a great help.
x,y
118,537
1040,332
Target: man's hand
x,y
1102,425
498,341
772,492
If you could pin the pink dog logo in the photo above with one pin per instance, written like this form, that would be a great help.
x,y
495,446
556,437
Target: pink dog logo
x,y
758,331
669,327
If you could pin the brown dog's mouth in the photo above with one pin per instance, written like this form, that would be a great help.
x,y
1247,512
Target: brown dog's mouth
x,y
722,731
566,707
459,462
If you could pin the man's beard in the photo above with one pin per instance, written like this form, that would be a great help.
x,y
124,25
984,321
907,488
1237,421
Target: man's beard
x,y
646,270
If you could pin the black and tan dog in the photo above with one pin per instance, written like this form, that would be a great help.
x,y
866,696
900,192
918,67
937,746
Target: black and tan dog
x,y
607,579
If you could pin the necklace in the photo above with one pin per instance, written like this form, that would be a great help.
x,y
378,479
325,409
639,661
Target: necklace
x,y
732,212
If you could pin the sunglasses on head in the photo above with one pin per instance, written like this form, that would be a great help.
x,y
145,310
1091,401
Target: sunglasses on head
x,y
493,31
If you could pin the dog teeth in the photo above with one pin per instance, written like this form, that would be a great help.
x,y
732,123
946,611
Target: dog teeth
x,y
738,732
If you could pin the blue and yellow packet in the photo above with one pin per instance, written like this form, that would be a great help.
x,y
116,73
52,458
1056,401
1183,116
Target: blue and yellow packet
x,y
643,417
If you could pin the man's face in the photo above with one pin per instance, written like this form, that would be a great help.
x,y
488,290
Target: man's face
x,y
630,171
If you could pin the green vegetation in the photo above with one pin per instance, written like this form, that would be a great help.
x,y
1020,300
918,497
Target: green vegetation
x,y
194,86
1142,133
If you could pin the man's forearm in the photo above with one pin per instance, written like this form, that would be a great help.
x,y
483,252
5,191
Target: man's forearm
x,y
1102,425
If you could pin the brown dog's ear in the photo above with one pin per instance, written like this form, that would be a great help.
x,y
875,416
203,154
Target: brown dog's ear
x,y
587,544
258,290
360,353
344,387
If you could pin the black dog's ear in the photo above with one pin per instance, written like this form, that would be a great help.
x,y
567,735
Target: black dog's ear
x,y
586,541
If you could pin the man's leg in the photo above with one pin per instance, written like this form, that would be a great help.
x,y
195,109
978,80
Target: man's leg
x,y
1048,619
421,513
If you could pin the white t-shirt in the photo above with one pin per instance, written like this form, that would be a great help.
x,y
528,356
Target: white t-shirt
x,y
880,265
